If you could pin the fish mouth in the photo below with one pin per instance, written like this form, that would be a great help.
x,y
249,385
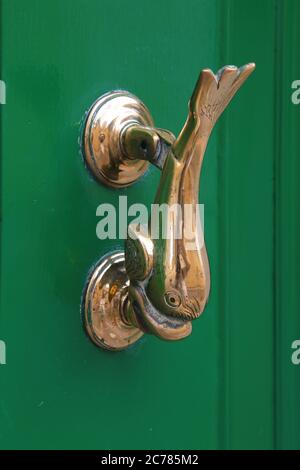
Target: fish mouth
x,y
149,319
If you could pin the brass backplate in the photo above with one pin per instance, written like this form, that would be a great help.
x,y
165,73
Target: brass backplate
x,y
106,121
103,301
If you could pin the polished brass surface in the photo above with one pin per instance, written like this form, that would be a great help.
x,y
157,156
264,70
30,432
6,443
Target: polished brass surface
x,y
169,276
102,147
178,278
146,143
103,301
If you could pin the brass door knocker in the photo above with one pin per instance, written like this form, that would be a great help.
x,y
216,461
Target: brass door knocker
x,y
158,285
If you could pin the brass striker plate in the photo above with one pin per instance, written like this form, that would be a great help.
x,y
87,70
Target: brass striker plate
x,y
102,149
103,299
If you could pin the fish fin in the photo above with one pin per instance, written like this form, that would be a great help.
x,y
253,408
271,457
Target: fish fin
x,y
213,92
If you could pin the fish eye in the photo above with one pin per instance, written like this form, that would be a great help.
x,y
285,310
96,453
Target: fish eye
x,y
172,299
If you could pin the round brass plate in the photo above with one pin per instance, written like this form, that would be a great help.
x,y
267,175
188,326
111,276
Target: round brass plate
x,y
103,298
102,149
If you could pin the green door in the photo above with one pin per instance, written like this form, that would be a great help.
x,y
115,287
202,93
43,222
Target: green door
x,y
232,383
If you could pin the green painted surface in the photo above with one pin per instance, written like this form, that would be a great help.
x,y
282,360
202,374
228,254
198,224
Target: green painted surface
x,y
246,233
287,223
225,385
